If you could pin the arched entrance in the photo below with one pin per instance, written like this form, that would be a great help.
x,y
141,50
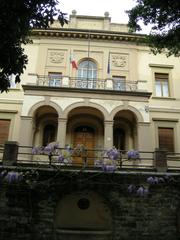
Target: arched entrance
x,y
125,130
85,127
83,215
45,125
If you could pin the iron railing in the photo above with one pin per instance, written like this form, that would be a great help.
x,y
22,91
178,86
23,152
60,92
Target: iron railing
x,y
89,158
87,83
49,81
73,158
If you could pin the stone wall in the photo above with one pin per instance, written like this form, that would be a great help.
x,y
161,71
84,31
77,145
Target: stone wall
x,y
28,209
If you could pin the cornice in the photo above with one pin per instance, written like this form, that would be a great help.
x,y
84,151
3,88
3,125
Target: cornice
x,y
89,91
88,34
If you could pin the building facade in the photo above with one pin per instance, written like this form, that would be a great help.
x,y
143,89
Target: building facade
x,y
95,84
119,94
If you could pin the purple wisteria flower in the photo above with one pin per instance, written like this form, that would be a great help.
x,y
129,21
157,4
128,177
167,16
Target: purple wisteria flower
x,y
3,174
13,177
131,188
112,154
133,155
109,168
60,158
140,191
150,180
155,180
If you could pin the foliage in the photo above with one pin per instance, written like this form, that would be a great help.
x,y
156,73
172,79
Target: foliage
x,y
164,16
16,21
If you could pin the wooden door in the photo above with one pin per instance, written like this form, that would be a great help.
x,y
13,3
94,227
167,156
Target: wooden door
x,y
85,135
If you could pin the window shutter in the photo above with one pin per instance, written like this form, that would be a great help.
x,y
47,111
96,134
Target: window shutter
x,y
4,130
166,139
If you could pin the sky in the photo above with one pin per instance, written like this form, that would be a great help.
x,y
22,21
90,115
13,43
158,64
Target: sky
x,y
116,8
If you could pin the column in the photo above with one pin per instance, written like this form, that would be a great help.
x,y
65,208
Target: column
x,y
26,131
61,134
108,134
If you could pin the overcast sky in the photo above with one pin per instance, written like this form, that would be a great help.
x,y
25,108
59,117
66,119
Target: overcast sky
x,y
116,8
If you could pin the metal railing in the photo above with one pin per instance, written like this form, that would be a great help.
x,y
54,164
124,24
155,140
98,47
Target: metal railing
x,y
159,160
89,158
49,81
87,83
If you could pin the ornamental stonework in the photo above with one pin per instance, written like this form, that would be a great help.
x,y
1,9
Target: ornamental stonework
x,y
119,61
56,57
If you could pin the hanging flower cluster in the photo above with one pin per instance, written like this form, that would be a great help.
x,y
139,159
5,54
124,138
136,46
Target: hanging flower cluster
x,y
143,191
140,191
108,163
16,176
133,155
53,150
50,149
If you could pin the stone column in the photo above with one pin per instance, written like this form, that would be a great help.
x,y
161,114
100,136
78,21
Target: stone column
x,y
26,131
108,134
61,134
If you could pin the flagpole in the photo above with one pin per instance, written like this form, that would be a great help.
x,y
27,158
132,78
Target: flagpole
x,y
88,54
70,64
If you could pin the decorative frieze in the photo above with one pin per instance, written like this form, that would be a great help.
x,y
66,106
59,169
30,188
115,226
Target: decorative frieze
x,y
56,57
119,61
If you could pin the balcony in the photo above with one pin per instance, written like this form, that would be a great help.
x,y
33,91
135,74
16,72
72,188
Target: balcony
x,y
91,84
69,159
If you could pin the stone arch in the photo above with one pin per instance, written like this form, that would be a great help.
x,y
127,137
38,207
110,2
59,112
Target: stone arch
x,y
45,125
81,212
137,114
83,104
43,103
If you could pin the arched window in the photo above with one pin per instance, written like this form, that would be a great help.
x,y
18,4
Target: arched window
x,y
87,74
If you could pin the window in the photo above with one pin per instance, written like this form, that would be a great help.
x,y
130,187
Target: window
x,y
55,79
166,138
119,83
87,74
162,84
4,130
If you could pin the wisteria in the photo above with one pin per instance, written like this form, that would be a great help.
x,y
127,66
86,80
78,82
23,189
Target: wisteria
x,y
13,177
112,154
152,180
133,155
139,191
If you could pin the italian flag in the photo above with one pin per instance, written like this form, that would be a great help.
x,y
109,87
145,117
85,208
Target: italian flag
x,y
73,62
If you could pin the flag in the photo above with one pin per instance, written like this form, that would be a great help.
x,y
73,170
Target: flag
x,y
108,66
73,62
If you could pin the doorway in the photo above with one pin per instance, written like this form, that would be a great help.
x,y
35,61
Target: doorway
x,y
85,135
